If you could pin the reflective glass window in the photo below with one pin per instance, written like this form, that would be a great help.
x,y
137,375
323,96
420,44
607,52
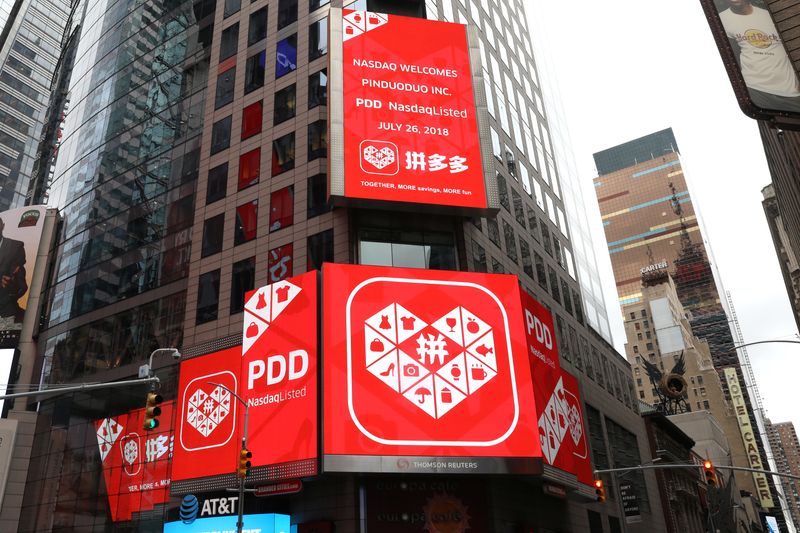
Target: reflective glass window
x,y
316,4
511,241
246,222
283,154
249,168
221,135
229,42
414,249
320,249
212,235
217,183
251,119
254,72
207,297
318,195
231,7
318,89
287,12
478,258
285,104
281,208
257,30
286,56
243,279
225,83
279,263
317,139
318,39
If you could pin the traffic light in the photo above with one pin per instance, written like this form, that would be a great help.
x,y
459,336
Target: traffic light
x,y
152,410
600,490
711,474
244,463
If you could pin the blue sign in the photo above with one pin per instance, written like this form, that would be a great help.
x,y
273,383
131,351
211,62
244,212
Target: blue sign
x,y
189,509
253,523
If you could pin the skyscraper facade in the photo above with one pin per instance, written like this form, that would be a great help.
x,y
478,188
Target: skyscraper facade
x,y
650,224
193,169
786,449
33,36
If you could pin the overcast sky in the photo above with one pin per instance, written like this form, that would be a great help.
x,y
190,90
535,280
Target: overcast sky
x,y
628,68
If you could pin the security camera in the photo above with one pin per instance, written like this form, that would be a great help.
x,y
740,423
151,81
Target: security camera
x,y
176,355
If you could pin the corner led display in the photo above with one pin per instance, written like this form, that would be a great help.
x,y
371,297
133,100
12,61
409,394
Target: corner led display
x,y
425,363
410,125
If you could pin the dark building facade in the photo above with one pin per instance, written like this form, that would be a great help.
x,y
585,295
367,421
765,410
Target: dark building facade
x,y
193,169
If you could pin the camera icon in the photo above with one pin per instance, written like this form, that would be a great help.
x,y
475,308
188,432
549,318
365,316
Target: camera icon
x,y
410,370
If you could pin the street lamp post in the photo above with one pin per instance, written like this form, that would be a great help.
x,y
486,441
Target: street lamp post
x,y
240,520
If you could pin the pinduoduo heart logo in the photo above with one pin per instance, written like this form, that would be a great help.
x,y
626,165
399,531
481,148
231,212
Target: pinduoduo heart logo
x,y
434,363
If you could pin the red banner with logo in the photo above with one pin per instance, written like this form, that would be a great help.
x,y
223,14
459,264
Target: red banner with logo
x,y
562,433
410,130
207,428
279,372
135,461
422,362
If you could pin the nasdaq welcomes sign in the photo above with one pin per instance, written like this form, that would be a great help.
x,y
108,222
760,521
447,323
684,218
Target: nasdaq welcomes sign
x,y
424,363
408,120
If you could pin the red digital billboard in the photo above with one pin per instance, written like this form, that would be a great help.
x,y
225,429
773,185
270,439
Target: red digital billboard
x,y
135,461
562,433
275,371
410,125
425,363
279,372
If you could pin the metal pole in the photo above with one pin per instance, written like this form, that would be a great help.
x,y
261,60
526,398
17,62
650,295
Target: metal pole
x,y
719,467
82,387
240,519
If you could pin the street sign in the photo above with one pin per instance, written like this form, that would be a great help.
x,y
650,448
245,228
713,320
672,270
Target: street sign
x,y
292,486
630,503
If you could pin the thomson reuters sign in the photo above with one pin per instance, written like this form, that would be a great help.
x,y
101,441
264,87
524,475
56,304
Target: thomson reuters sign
x,y
405,112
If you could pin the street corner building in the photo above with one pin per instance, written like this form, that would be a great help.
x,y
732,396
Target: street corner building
x,y
351,224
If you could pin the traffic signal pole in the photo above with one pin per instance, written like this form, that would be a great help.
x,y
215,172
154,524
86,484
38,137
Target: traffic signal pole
x,y
716,466
240,520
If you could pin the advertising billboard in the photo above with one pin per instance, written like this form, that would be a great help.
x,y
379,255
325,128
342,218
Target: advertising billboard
x,y
260,523
752,48
562,432
279,373
425,371
135,462
20,233
275,371
404,121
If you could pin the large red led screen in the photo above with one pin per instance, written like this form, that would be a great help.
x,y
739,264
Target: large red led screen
x,y
425,363
410,125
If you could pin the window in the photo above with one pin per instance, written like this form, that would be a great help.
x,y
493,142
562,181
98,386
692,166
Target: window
x,y
565,294
285,104
320,249
279,263
243,279
541,275
212,235
649,345
317,140
257,30
644,312
318,89
641,394
494,231
246,223
699,380
633,316
497,267
706,404
637,326
286,56
519,212
316,4
635,348
251,120
229,42
546,239
225,83
207,297
221,135
287,12
283,154
639,336
511,241
249,168
317,196
231,7
478,258
217,183
554,284
532,224
318,39
502,192
525,253
406,248
254,72
281,208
